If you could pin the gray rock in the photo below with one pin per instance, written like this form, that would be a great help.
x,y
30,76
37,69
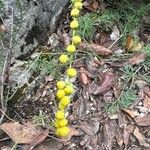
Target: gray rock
x,y
33,21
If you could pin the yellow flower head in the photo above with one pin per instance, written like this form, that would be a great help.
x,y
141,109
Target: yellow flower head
x,y
76,1
61,85
63,122
60,94
76,39
71,72
57,123
65,101
74,24
71,48
60,114
78,5
63,132
63,58
68,89
75,12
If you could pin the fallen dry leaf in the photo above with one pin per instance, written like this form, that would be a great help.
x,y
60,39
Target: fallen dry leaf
x,y
98,49
126,134
83,76
137,59
140,137
24,133
129,42
132,113
108,83
147,91
91,5
143,121
90,127
146,102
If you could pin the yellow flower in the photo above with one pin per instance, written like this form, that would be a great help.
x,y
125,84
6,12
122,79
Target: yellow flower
x,y
68,89
71,48
78,5
75,12
65,101
60,114
57,123
76,1
63,58
61,85
61,107
60,94
63,122
76,39
74,24
71,72
63,132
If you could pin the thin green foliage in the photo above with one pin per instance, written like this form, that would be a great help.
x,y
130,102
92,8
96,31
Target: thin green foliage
x,y
126,100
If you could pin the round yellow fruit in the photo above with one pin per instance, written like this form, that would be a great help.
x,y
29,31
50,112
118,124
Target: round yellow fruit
x,y
74,24
61,85
76,39
60,114
71,48
63,59
64,131
68,89
75,12
71,72
63,122
78,5
60,94
65,101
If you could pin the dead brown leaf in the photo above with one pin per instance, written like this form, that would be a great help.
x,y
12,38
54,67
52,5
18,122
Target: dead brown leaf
x,y
24,133
98,49
126,135
91,5
146,102
143,121
83,76
140,137
90,127
108,83
2,28
147,91
137,58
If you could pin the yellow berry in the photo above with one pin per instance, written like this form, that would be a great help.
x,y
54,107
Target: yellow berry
x,y
64,131
61,85
76,39
57,123
68,89
78,5
76,1
61,107
58,131
60,94
71,72
71,48
75,12
74,24
63,58
60,114
65,101
63,122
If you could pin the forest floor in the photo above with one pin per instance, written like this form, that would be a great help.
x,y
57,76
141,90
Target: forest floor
x,y
110,109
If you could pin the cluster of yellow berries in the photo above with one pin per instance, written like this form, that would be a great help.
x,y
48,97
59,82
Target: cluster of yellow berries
x,y
66,89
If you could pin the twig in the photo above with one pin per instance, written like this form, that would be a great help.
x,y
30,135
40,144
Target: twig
x,y
6,70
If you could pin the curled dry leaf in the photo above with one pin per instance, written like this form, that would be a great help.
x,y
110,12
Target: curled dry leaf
x,y
143,121
140,137
108,83
91,5
147,91
98,49
137,59
146,102
83,76
24,133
